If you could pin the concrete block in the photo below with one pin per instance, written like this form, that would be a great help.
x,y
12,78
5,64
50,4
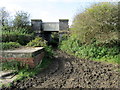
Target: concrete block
x,y
27,55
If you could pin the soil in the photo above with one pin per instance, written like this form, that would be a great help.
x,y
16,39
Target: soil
x,y
67,71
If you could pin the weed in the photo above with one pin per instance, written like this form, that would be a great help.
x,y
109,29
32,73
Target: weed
x,y
37,42
9,45
91,51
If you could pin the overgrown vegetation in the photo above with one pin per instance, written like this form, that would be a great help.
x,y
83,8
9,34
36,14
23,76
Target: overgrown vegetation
x,y
13,65
4,16
16,36
21,19
27,72
99,22
9,45
94,34
17,30
17,33
23,71
37,42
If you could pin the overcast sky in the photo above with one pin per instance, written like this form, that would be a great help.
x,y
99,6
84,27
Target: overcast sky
x,y
49,10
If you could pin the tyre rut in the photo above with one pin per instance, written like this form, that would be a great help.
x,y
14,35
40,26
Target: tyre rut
x,y
66,71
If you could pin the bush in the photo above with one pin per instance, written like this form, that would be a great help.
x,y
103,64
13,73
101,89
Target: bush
x,y
37,42
21,19
92,51
97,22
19,30
25,72
12,65
9,45
94,34
16,36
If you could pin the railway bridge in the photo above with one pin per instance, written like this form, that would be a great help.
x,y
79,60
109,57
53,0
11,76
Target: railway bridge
x,y
45,29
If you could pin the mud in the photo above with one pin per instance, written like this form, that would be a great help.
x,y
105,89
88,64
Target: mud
x,y
66,71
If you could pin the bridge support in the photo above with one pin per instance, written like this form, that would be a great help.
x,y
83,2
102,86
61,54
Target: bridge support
x,y
45,29
47,36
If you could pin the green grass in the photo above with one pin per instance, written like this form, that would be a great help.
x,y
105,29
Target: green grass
x,y
110,59
5,85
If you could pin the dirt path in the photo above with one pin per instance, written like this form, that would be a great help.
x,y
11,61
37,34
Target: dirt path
x,y
69,72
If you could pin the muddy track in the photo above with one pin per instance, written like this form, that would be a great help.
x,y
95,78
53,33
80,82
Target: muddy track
x,y
69,72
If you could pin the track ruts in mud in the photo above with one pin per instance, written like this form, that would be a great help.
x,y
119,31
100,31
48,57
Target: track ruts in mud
x,y
66,71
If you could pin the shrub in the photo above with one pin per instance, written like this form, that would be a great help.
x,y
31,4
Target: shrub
x,y
92,51
25,72
64,37
9,45
37,42
16,36
12,65
54,35
94,34
19,30
21,19
97,22
25,30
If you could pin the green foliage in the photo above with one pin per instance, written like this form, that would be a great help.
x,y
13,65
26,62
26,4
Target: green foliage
x,y
49,51
20,22
8,85
94,34
5,28
19,36
97,22
111,59
19,30
27,73
92,51
55,38
9,45
54,35
70,44
23,71
37,42
3,16
21,19
12,65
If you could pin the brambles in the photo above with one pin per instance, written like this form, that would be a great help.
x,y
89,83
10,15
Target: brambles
x,y
94,52
37,42
97,22
16,35
9,45
94,34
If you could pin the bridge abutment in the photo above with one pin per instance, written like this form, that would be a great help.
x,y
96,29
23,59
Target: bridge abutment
x,y
45,29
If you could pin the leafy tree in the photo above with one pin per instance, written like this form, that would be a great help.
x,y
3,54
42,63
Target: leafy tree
x,y
3,16
99,22
21,19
